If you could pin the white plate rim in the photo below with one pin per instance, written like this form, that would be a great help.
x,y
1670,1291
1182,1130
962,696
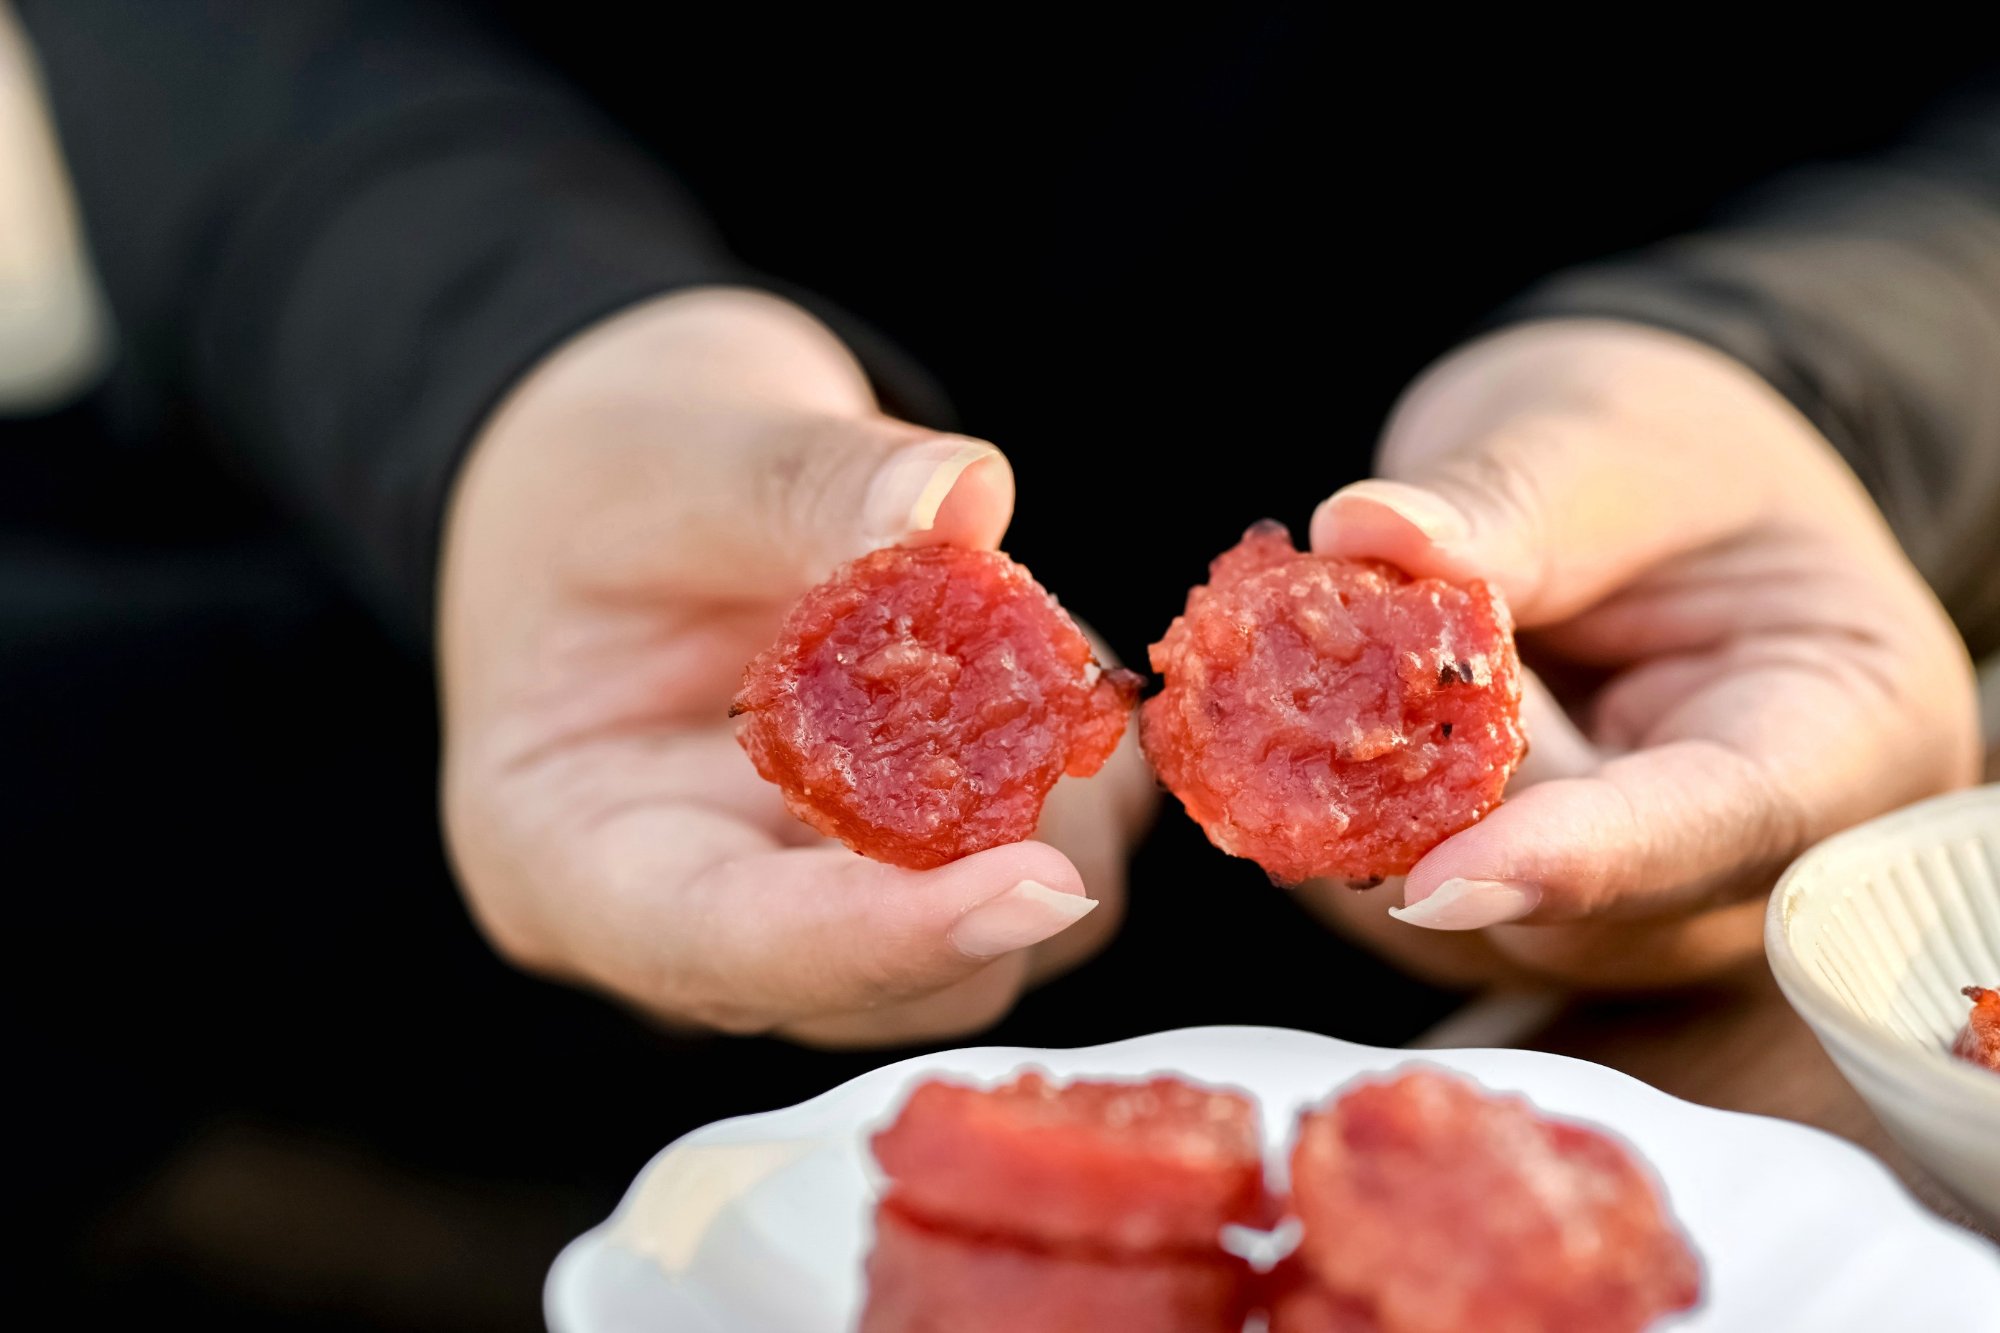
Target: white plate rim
x,y
1882,1182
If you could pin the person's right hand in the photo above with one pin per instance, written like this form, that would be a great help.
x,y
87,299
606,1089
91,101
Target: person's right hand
x,y
629,530
1745,660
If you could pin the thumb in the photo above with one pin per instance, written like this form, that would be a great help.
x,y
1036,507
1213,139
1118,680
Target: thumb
x,y
1497,467
1553,525
800,495
727,446
897,485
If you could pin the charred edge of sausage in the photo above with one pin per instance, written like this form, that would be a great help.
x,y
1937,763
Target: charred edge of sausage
x,y
1126,682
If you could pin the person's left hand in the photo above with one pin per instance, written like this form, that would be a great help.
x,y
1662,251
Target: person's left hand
x,y
630,528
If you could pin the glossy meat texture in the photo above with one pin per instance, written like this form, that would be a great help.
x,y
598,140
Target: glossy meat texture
x,y
1445,1208
1979,1042
920,704
1107,1168
1333,718
922,1279
1296,1302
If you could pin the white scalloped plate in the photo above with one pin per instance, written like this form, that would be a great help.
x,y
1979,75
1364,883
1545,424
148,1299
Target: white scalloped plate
x,y
760,1224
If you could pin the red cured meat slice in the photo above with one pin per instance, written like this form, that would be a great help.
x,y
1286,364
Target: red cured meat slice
x,y
920,704
1111,1168
1979,1043
1446,1208
925,1280
1330,717
1296,1303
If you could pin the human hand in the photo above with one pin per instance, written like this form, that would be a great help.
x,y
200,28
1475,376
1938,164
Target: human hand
x,y
631,526
1749,663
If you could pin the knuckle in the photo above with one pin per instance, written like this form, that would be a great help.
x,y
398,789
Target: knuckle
x,y
1779,820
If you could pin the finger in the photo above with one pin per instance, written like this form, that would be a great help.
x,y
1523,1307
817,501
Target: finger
x,y
1556,506
1598,955
1465,959
1669,828
1553,520
699,922
1601,955
1630,707
662,766
1096,821
1707,599
723,443
827,490
774,502
1784,744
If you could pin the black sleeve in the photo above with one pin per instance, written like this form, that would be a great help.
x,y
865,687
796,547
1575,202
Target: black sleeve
x,y
1869,295
341,228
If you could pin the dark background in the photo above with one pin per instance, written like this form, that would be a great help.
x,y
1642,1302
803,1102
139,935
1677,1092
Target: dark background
x,y
1178,270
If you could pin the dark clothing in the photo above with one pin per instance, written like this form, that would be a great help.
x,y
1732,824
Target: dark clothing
x,y
1869,294
335,231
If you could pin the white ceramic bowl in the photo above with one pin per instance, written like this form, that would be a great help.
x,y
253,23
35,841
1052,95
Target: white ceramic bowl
x,y
1872,934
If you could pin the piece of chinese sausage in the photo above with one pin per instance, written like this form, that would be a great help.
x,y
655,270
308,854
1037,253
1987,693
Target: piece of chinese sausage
x,y
920,704
1439,1207
1979,1041
1333,718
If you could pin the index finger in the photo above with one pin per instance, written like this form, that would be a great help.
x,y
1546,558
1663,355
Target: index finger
x,y
1732,782
689,912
